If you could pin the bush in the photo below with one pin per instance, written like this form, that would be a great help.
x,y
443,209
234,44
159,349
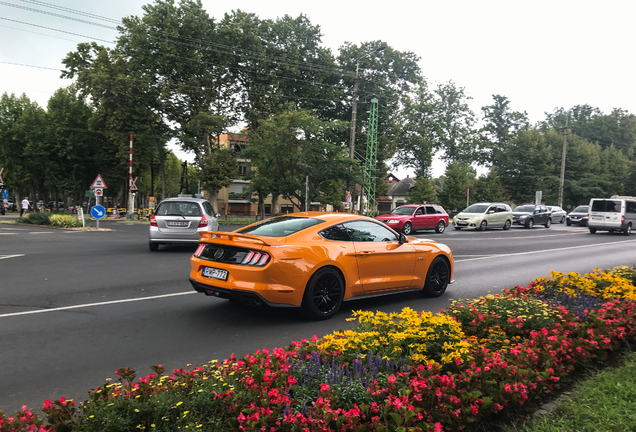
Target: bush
x,y
64,221
38,218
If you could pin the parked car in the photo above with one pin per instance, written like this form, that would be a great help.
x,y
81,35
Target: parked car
x,y
315,261
557,214
578,216
612,215
412,217
181,220
11,205
530,215
484,215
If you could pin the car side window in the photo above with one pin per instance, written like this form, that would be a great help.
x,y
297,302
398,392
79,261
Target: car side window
x,y
430,210
630,207
419,211
439,210
363,231
208,208
336,233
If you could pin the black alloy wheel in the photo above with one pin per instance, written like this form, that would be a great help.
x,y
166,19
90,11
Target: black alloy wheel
x,y
506,226
407,229
562,219
324,294
483,226
530,223
628,230
437,278
441,226
548,224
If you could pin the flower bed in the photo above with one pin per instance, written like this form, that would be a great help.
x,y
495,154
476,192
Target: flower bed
x,y
393,372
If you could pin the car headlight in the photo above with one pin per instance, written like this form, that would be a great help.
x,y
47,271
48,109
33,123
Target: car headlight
x,y
393,221
523,217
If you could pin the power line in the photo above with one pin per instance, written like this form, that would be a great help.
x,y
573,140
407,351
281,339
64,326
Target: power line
x,y
75,11
52,29
33,66
57,15
37,33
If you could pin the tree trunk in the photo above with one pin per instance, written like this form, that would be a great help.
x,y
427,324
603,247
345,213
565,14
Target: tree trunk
x,y
214,200
275,205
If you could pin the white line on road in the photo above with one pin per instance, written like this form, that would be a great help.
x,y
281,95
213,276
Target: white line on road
x,y
546,250
8,233
95,304
13,229
504,238
10,256
40,232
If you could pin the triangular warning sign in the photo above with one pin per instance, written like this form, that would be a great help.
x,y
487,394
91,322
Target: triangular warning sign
x,y
98,183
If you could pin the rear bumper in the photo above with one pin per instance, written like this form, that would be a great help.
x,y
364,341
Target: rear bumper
x,y
251,298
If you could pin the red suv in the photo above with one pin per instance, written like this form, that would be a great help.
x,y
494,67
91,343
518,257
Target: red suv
x,y
412,217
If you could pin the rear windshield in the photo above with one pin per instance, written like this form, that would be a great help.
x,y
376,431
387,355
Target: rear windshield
x,y
280,226
609,206
526,209
476,208
581,209
178,208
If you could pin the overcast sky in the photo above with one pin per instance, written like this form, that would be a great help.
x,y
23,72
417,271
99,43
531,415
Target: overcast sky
x,y
539,54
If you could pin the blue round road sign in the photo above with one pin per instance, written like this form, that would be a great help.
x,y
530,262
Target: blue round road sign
x,y
98,212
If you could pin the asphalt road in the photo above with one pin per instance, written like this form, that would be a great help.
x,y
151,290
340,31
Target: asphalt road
x,y
75,306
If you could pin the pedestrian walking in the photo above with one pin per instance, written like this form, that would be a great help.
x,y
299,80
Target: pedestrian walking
x,y
25,206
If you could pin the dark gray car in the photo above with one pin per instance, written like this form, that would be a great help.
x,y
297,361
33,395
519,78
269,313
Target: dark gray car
x,y
578,216
530,215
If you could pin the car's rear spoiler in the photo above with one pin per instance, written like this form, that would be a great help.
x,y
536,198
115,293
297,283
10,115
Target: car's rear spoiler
x,y
236,237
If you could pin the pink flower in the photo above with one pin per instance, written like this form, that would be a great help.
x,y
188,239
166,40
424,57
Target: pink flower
x,y
324,387
391,379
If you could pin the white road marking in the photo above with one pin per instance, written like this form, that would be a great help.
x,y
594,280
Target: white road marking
x,y
13,229
506,238
41,232
8,233
95,304
10,256
546,250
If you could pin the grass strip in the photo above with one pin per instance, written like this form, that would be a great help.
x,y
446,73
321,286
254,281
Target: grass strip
x,y
604,402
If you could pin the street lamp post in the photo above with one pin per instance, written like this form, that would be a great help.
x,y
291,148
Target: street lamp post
x,y
354,112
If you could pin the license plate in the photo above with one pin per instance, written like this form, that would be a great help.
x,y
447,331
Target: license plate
x,y
178,224
462,223
214,273
597,217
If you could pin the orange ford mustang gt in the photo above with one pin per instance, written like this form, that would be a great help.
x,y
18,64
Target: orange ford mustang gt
x,y
316,261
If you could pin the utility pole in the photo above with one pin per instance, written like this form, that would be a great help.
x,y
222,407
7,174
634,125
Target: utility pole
x,y
354,113
566,131
306,193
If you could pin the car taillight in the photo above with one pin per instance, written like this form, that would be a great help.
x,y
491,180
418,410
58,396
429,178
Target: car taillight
x,y
153,221
623,219
203,222
200,250
255,258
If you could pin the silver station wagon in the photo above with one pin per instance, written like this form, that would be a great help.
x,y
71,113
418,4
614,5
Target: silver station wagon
x,y
180,220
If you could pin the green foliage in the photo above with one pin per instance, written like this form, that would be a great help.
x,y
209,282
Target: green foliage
x,y
501,125
455,133
422,192
37,218
457,178
64,221
488,188
295,144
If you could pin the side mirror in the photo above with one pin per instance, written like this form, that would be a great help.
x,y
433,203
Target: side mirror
x,y
403,238
218,215
491,211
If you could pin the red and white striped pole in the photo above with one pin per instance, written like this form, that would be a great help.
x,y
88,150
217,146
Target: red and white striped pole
x,y
131,205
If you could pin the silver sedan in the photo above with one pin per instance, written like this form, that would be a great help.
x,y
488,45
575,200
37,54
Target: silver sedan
x,y
557,214
180,220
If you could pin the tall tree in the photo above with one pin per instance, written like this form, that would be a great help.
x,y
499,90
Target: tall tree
x,y
457,177
295,144
500,125
422,192
488,188
456,134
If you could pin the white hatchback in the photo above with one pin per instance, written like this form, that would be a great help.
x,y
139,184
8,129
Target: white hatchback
x,y
180,220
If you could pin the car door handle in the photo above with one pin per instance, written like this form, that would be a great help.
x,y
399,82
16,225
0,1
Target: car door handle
x,y
362,253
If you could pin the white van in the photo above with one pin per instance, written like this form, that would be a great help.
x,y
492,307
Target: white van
x,y
610,214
